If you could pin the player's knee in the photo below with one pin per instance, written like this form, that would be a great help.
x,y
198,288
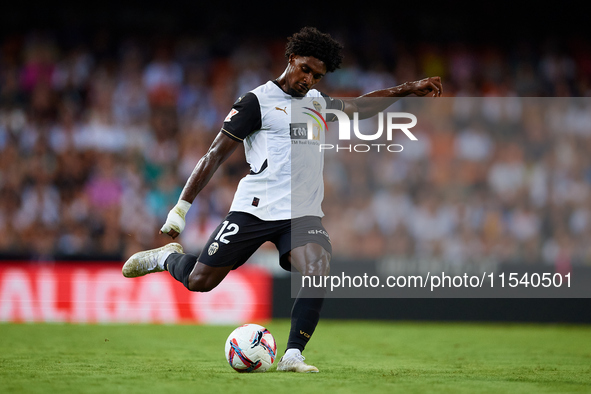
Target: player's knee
x,y
310,259
201,283
319,265
322,268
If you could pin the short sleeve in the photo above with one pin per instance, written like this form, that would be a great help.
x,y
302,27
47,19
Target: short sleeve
x,y
332,103
244,118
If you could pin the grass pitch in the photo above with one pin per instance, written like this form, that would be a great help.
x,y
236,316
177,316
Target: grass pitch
x,y
353,357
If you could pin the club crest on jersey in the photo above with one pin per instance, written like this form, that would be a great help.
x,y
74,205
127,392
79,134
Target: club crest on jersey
x,y
230,115
213,248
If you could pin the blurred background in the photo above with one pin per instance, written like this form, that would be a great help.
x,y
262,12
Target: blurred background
x,y
106,108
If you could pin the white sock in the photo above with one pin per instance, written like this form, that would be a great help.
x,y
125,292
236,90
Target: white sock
x,y
292,352
163,259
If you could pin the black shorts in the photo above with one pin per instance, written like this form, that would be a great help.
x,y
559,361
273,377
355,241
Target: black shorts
x,y
241,234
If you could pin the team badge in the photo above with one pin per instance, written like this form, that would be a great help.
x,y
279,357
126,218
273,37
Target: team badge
x,y
213,248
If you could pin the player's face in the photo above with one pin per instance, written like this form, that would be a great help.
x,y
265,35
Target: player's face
x,y
303,73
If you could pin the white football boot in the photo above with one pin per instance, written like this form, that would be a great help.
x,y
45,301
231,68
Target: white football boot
x,y
149,261
295,363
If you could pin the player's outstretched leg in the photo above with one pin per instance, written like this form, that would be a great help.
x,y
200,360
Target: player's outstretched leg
x,y
184,267
149,261
193,274
310,259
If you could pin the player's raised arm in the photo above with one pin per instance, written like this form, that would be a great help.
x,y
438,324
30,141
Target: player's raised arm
x,y
221,148
369,104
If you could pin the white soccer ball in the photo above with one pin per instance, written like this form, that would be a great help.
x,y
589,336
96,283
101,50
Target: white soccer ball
x,y
251,348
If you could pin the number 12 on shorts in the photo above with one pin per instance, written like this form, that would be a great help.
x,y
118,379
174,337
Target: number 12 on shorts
x,y
231,228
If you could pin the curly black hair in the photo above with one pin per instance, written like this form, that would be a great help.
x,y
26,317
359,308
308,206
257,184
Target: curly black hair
x,y
311,42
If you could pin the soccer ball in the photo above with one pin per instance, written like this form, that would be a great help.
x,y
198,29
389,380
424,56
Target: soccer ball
x,y
251,348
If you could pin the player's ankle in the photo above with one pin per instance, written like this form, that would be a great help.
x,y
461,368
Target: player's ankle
x,y
292,353
162,262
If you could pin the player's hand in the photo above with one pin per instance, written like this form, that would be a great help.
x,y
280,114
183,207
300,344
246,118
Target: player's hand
x,y
173,234
175,221
428,86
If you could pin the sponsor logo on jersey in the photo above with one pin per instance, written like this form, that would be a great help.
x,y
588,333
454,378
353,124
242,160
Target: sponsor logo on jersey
x,y
298,131
213,248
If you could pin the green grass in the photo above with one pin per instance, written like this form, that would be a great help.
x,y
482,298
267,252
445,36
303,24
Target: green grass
x,y
353,357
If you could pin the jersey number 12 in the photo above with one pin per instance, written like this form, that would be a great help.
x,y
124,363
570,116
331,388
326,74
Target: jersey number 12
x,y
231,228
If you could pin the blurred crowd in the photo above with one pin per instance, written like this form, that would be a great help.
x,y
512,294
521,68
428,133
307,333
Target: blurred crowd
x,y
98,137
490,179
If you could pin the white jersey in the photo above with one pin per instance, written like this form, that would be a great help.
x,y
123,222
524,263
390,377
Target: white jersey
x,y
286,163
